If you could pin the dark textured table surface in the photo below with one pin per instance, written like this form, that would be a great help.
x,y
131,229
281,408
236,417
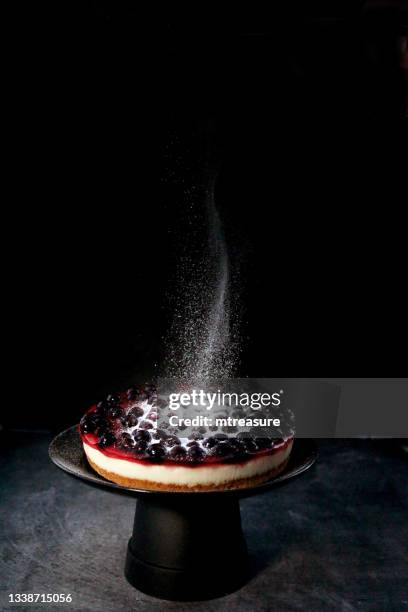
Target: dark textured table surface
x,y
336,538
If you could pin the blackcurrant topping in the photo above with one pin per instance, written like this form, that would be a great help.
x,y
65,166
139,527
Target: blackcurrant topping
x,y
177,453
147,442
243,434
90,423
221,436
230,428
192,443
223,449
146,425
130,420
113,399
126,441
160,403
131,394
195,454
102,407
263,443
106,439
171,441
210,442
236,443
249,445
137,411
160,434
141,434
140,446
115,412
156,452
195,436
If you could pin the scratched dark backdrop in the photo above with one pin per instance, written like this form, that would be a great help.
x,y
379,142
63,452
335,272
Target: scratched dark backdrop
x,y
117,112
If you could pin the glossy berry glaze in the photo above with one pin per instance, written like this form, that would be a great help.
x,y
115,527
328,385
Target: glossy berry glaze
x,y
123,427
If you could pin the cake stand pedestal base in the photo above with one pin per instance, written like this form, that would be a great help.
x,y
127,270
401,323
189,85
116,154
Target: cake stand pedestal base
x,y
185,545
187,548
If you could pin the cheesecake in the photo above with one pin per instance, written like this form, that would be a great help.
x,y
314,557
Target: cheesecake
x,y
123,444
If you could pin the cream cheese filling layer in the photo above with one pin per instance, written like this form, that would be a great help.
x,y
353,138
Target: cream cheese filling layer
x,y
188,476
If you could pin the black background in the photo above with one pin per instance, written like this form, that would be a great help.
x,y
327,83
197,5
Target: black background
x,y
117,111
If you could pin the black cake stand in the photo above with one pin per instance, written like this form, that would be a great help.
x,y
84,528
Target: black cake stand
x,y
184,546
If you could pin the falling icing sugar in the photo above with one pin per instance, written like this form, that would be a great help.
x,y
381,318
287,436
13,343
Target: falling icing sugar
x,y
203,342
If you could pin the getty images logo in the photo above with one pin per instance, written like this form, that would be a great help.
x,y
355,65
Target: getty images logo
x,y
199,397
